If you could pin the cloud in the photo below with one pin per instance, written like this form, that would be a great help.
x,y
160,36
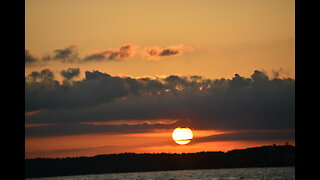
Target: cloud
x,y
68,54
259,76
28,58
44,76
129,50
79,128
279,72
70,73
96,88
90,75
239,103
123,52
155,52
88,92
248,136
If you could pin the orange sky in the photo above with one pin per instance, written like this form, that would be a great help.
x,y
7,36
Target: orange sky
x,y
227,36
212,38
157,142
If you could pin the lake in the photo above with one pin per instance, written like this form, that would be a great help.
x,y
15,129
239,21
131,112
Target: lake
x,y
270,173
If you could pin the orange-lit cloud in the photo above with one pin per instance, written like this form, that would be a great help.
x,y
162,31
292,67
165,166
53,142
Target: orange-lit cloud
x,y
125,51
68,54
30,113
156,53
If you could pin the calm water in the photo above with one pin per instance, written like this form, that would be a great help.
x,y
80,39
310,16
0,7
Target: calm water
x,y
285,173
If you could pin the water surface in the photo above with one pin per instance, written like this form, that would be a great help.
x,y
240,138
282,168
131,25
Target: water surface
x,y
282,173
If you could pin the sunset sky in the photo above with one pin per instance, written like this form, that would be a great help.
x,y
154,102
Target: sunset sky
x,y
113,76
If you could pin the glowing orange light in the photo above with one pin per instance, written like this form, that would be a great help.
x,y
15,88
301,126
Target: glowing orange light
x,y
182,135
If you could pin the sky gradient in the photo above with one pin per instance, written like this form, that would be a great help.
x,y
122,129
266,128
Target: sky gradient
x,y
106,76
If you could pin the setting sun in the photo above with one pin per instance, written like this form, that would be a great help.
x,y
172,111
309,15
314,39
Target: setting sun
x,y
182,135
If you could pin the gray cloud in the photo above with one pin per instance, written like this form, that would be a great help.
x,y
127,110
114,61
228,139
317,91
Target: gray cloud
x,y
98,56
68,54
257,102
248,136
155,52
169,52
70,73
98,88
124,52
28,58
78,128
44,76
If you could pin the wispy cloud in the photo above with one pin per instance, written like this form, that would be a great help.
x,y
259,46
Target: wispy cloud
x,y
123,52
248,136
156,53
68,54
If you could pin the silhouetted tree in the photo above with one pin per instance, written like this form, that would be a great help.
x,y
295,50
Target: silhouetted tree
x,y
265,156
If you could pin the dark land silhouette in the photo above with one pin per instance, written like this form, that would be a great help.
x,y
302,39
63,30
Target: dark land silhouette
x,y
265,156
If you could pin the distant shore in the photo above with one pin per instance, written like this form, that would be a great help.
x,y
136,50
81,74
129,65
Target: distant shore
x,y
265,156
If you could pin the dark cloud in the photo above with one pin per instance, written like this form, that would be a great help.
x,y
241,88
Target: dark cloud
x,y
279,72
96,75
68,54
97,56
96,88
93,90
248,136
222,104
70,73
169,52
259,76
123,52
155,52
43,76
78,128
28,58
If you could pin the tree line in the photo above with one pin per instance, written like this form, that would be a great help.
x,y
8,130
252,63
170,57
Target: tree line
x,y
265,156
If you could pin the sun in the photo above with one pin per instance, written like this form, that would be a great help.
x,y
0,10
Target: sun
x,y
182,135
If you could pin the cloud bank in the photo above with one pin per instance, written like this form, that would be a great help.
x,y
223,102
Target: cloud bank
x,y
240,103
